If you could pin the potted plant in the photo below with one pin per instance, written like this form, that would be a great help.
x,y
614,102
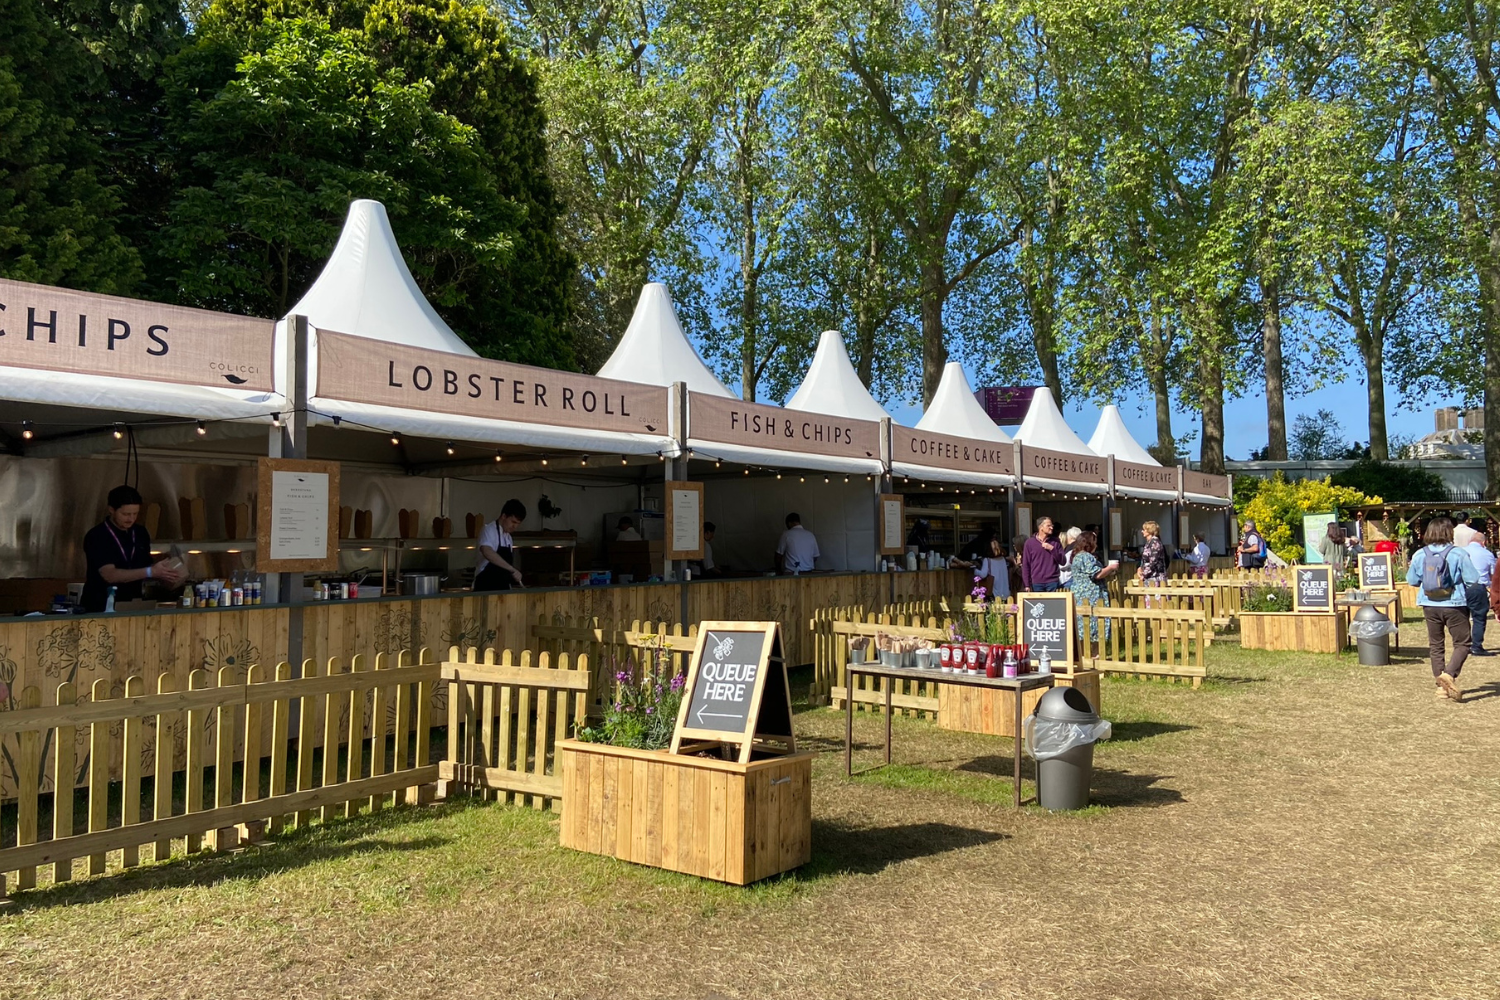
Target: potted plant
x,y
1267,621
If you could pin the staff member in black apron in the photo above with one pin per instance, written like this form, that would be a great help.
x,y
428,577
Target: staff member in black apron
x,y
118,552
496,569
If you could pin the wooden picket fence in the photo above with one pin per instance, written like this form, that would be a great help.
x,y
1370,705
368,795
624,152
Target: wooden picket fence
x,y
201,732
908,697
1180,595
1148,642
505,714
505,717
611,647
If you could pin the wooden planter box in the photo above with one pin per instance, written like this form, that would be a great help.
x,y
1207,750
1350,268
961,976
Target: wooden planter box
x,y
732,822
1306,632
992,711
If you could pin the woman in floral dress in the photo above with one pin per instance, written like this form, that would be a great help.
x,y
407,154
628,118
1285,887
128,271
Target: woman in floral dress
x,y
1087,584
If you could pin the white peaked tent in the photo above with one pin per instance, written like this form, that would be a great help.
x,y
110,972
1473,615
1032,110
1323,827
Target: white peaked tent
x,y
954,411
654,350
1044,427
1111,438
832,386
366,290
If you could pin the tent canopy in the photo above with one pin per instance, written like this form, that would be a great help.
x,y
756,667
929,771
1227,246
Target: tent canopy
x,y
1111,438
954,410
1044,427
366,290
654,350
832,386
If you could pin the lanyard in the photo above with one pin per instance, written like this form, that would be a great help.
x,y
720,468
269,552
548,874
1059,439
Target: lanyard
x,y
127,556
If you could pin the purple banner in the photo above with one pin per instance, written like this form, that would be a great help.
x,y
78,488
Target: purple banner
x,y
1006,404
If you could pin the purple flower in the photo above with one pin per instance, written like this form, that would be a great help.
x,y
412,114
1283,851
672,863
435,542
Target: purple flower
x,y
623,675
678,682
618,706
648,709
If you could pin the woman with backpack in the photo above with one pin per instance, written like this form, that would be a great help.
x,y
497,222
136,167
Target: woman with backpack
x,y
1442,573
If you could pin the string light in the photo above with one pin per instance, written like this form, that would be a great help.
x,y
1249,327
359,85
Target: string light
x,y
778,475
544,461
27,430
119,431
747,472
585,462
825,479
395,438
801,479
275,421
450,447
202,428
846,479
624,460
718,464
499,455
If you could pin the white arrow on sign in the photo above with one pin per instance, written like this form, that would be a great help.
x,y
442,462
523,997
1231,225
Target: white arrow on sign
x,y
716,715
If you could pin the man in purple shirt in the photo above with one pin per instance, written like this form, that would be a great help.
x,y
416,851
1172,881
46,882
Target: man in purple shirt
x,y
1041,558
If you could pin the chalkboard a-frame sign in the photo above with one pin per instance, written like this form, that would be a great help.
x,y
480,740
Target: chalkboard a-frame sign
x,y
1312,589
1047,623
736,692
1375,571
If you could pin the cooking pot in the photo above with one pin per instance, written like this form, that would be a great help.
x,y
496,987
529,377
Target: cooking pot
x,y
420,584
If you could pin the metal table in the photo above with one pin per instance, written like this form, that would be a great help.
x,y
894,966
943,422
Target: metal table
x,y
887,675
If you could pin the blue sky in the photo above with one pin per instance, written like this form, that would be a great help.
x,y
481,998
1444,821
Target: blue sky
x,y
1245,419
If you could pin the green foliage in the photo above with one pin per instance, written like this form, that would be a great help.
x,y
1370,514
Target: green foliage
x,y
1392,483
55,211
1278,506
1245,489
1267,597
643,714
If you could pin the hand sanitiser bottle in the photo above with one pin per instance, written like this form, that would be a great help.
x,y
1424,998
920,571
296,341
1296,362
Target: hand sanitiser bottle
x,y
109,602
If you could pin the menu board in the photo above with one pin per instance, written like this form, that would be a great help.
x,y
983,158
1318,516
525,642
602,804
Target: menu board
x,y
1046,622
1312,588
1023,519
58,329
684,520
1116,530
1184,531
298,507
756,425
892,524
737,689
1375,571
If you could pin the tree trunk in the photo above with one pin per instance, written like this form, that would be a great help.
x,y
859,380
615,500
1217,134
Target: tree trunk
x,y
865,320
1489,293
749,279
1375,380
1156,373
1211,399
1042,327
934,349
1270,338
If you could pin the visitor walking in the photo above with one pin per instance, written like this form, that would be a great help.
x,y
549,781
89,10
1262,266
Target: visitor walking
x,y
1198,555
1472,542
1334,548
1441,572
1087,584
1041,559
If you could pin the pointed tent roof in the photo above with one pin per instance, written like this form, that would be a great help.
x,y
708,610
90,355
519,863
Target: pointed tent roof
x,y
1111,438
367,290
832,386
954,410
654,350
1044,427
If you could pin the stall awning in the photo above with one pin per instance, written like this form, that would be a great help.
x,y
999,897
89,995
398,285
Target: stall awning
x,y
955,411
832,385
654,351
1111,438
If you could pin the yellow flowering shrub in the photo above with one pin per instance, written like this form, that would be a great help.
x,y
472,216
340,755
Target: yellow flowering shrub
x,y
1278,506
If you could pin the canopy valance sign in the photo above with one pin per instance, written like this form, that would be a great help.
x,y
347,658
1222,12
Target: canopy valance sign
x,y
1042,463
756,425
361,370
1204,484
947,451
1146,477
58,329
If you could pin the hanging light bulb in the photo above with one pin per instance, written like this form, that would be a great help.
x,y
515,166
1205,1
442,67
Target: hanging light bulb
x,y
27,430
846,479
718,464
450,447
202,428
778,475
624,460
395,438
661,457
544,461
801,479
585,462
119,431
747,472
825,479
275,421
499,455
869,479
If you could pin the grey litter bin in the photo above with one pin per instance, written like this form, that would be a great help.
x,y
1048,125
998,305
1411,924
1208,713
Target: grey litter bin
x,y
1372,635
1061,734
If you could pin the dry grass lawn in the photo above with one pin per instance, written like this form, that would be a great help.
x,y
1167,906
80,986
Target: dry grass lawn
x,y
1302,827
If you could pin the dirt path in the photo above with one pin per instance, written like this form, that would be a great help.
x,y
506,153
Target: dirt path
x,y
1300,828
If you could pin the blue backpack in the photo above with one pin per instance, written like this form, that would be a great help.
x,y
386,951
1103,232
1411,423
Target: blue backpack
x,y
1437,579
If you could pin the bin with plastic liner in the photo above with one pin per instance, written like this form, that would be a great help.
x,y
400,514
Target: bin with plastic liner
x,y
1060,735
1372,632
